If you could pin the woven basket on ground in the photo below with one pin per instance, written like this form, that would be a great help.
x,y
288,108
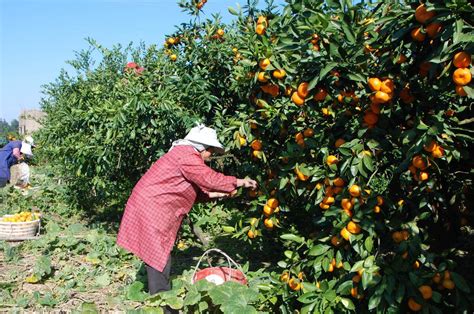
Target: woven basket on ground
x,y
18,230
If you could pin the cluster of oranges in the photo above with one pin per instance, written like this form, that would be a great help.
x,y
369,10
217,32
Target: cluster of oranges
x,y
270,207
298,97
462,75
423,16
443,281
382,92
21,217
295,283
300,136
315,42
257,148
420,163
262,24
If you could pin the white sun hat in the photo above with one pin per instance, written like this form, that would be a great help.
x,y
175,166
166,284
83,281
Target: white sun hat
x,y
26,146
204,135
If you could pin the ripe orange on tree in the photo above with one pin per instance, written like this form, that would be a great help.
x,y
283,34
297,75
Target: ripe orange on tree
x,y
462,59
417,34
353,227
256,145
296,98
462,76
320,94
422,15
413,305
303,90
374,84
331,160
273,203
355,190
426,292
264,63
433,29
279,74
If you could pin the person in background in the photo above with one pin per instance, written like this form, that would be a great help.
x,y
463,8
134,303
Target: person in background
x,y
165,194
11,154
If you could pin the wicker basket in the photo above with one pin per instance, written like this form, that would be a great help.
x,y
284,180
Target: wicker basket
x,y
19,230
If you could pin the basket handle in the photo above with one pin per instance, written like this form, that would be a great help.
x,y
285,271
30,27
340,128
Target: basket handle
x,y
229,260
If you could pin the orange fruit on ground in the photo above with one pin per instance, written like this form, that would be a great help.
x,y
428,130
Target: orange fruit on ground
x,y
339,142
374,84
355,190
460,91
353,228
419,162
303,90
387,86
345,234
279,74
412,305
422,15
260,29
381,97
331,160
256,145
426,292
309,132
261,77
251,234
448,284
297,99
433,29
268,223
438,152
462,76
294,284
346,204
338,182
264,63
320,95
417,34
462,59
370,118
273,203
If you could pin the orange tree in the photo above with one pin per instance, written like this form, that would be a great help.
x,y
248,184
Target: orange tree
x,y
355,123
353,118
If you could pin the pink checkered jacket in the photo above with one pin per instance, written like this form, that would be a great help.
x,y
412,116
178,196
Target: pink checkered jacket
x,y
160,200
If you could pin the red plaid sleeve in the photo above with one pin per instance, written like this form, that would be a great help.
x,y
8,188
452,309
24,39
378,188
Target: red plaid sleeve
x,y
196,171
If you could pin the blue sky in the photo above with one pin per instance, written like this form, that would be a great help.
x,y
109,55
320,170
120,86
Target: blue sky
x,y
38,36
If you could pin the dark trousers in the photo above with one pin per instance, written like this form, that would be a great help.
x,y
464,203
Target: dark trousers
x,y
158,281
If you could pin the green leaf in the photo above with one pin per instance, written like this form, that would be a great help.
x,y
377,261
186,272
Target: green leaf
x,y
318,250
460,282
347,303
103,280
292,237
327,69
135,292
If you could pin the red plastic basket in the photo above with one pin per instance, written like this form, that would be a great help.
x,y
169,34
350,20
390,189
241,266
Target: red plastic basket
x,y
220,274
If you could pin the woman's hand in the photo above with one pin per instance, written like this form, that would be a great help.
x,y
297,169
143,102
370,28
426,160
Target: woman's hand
x,y
247,183
217,194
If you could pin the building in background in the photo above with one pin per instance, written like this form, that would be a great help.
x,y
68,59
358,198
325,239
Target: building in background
x,y
30,121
